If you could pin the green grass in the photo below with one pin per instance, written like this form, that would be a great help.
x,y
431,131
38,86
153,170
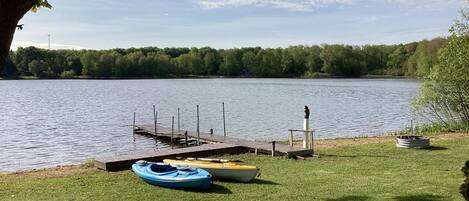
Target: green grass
x,y
442,128
359,172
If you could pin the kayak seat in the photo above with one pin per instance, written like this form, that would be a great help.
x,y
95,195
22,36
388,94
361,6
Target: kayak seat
x,y
162,168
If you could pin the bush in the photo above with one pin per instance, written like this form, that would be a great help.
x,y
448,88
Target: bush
x,y
462,127
464,189
444,94
68,74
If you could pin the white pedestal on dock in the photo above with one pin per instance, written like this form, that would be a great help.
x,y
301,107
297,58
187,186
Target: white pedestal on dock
x,y
306,143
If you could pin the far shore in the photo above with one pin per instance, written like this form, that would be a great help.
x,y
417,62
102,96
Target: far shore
x,y
211,77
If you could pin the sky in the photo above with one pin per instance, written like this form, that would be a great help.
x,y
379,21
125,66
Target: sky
x,y
105,24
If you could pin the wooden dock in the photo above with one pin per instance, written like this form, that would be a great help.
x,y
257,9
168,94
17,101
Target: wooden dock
x,y
125,161
261,146
210,145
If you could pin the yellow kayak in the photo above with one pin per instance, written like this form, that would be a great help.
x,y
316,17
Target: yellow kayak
x,y
220,170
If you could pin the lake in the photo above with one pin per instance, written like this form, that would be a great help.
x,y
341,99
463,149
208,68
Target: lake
x,y
44,123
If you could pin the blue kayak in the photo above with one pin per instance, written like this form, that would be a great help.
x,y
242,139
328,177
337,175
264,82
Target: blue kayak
x,y
171,177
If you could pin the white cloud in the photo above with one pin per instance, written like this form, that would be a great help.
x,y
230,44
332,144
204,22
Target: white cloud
x,y
294,5
310,5
54,46
430,4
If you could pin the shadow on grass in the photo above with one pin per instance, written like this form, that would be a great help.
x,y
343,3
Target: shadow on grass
x,y
435,148
255,181
214,189
350,198
423,197
264,182
354,156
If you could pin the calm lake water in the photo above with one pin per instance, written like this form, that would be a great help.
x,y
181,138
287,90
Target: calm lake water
x,y
45,123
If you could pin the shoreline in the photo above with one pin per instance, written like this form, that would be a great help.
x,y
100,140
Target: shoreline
x,y
321,144
214,77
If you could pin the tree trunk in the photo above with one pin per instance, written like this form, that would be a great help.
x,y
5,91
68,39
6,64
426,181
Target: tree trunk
x,y
6,36
11,13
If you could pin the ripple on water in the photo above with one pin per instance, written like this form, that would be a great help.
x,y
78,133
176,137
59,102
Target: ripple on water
x,y
45,123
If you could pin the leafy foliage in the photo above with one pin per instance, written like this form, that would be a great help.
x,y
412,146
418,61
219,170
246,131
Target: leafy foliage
x,y
413,59
445,92
39,4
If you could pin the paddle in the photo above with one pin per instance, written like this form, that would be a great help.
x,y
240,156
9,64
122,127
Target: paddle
x,y
216,160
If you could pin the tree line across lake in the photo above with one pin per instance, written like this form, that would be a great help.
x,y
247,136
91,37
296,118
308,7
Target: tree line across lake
x,y
413,59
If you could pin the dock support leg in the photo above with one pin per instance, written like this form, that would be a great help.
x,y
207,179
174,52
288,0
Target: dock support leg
x,y
172,131
179,122
133,128
198,126
291,139
224,125
273,148
185,136
312,141
155,118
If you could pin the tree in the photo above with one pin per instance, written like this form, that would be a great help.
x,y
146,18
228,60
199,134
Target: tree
x,y
10,69
313,60
341,60
424,57
232,64
38,68
250,62
24,56
11,13
105,65
182,64
445,92
211,64
74,63
374,58
89,60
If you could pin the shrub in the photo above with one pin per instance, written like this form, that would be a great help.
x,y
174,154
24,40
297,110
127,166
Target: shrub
x,y
67,74
464,189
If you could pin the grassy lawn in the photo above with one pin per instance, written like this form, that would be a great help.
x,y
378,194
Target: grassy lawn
x,y
353,172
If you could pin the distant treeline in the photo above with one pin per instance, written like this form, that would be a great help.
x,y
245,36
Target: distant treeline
x,y
412,59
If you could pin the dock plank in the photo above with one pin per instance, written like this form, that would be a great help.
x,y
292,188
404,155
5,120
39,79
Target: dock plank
x,y
125,161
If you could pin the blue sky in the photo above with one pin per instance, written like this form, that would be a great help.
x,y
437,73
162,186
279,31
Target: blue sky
x,y
104,24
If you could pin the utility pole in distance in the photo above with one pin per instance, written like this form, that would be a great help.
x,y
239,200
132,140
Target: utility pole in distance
x,y
48,41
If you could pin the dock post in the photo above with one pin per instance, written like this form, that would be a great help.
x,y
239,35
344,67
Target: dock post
x,y
255,151
133,128
291,138
211,131
198,126
412,126
312,141
273,148
306,129
155,118
185,136
224,125
172,131
179,122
